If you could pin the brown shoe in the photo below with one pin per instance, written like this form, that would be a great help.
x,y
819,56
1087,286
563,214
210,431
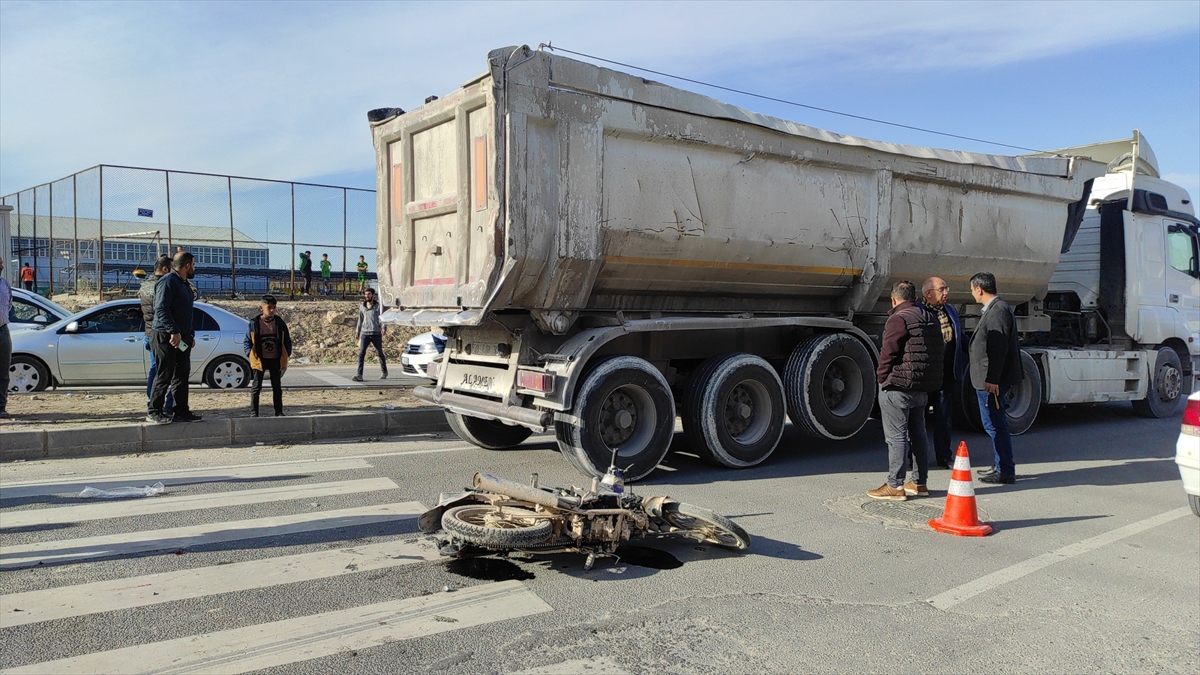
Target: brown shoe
x,y
888,492
913,490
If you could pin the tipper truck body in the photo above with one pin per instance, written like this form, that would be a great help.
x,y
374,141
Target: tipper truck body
x,y
606,253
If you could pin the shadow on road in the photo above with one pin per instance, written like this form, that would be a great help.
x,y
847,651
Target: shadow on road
x,y
1001,525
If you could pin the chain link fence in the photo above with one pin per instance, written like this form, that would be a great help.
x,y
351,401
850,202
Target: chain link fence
x,y
88,232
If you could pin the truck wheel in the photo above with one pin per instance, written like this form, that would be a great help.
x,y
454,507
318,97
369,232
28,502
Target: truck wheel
x,y
1025,399
733,410
1166,384
966,407
830,386
487,434
626,416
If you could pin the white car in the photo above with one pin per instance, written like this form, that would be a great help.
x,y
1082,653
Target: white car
x,y
105,345
1187,451
420,351
30,310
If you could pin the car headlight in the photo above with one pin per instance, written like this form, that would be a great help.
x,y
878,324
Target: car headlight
x,y
429,348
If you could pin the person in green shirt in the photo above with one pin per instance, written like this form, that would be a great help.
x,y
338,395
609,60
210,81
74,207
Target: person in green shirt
x,y
326,274
361,266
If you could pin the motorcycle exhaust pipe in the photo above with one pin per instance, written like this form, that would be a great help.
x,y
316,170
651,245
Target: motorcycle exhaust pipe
x,y
510,488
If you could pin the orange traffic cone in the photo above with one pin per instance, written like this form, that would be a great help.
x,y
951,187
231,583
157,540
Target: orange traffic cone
x,y
960,516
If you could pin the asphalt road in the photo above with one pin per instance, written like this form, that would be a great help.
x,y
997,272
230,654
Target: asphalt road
x,y
1094,566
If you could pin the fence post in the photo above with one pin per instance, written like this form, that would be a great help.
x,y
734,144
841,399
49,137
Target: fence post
x,y
35,238
170,242
75,225
292,259
50,243
345,239
232,243
100,245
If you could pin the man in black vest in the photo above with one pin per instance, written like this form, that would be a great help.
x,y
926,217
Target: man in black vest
x,y
910,366
995,369
172,340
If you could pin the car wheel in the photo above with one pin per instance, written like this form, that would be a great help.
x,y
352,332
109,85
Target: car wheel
x,y
227,372
27,374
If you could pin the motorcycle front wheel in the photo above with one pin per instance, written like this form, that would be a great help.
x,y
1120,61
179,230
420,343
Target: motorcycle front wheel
x,y
492,527
706,525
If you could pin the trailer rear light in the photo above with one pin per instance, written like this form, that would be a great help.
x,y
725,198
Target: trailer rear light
x,y
432,369
533,381
1191,417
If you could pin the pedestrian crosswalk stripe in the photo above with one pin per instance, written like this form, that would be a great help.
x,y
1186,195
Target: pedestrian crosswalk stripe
x,y
289,641
334,379
73,550
172,504
208,474
152,589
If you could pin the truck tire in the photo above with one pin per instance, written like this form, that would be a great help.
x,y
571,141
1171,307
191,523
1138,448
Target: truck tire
x,y
626,416
485,525
829,383
1165,387
733,411
1024,401
487,434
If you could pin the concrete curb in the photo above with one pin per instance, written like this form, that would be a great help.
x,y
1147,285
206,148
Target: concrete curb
x,y
125,438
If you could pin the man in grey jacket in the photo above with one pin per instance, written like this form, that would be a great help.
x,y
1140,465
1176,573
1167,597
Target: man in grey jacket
x,y
995,369
369,330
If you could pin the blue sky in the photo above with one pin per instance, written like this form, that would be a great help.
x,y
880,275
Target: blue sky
x,y
279,90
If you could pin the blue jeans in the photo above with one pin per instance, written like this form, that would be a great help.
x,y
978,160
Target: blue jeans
x,y
993,410
169,405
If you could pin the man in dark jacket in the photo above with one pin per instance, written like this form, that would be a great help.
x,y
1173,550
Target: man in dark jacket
x,y
162,267
172,339
910,365
995,369
954,366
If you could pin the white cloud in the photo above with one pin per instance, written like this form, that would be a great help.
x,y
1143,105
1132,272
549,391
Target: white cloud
x,y
280,90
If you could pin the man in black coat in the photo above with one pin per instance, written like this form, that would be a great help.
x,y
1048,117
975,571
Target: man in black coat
x,y
995,369
910,366
936,292
172,339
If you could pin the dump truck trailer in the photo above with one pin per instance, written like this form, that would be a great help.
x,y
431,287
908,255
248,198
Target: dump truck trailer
x,y
607,253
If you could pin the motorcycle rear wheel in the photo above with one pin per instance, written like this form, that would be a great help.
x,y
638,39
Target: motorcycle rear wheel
x,y
708,526
490,527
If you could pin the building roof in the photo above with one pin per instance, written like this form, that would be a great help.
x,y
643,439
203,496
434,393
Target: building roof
x,y
67,227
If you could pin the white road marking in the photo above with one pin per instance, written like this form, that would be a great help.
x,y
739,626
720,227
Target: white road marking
x,y
280,643
152,589
601,665
969,590
74,550
168,503
334,379
209,474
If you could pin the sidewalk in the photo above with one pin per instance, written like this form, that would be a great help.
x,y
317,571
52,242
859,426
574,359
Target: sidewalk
x,y
25,444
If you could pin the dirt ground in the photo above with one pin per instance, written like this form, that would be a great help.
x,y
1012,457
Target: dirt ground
x,y
82,408
322,330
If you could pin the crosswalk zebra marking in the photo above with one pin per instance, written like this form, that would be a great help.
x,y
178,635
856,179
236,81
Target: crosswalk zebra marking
x,y
210,474
74,550
332,378
173,504
152,589
278,643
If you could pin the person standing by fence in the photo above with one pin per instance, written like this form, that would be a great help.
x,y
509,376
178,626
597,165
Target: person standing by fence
x,y
370,331
268,343
162,266
28,276
361,267
306,272
326,274
5,340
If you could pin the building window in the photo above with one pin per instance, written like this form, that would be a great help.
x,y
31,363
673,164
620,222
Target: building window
x,y
209,255
251,257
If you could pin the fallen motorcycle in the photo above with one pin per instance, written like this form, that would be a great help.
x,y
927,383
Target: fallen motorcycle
x,y
504,515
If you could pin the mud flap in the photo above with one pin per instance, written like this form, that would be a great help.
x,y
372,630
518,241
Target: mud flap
x,y
431,520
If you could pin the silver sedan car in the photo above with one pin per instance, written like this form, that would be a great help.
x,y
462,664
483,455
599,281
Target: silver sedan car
x,y
105,345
